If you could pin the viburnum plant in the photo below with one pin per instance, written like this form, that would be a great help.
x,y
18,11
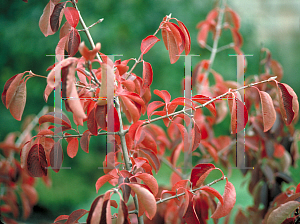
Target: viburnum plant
x,y
98,90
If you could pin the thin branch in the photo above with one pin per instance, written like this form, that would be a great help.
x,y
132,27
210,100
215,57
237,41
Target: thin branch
x,y
225,47
99,21
192,191
215,44
85,29
208,102
165,161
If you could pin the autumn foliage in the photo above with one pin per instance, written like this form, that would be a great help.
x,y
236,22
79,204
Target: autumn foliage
x,y
269,108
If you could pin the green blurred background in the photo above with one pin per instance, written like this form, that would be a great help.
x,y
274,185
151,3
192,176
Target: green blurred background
x,y
126,23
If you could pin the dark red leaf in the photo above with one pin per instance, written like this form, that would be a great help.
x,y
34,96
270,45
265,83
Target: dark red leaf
x,y
148,43
147,74
72,16
91,122
200,171
73,42
100,115
95,210
122,213
84,141
36,161
289,105
56,16
75,216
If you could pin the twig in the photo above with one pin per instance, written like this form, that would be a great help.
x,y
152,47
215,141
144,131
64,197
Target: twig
x,y
225,47
208,102
215,44
192,191
99,21
165,161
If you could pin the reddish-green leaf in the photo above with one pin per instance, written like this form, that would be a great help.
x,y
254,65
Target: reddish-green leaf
x,y
73,42
278,215
56,16
72,148
148,43
72,16
229,198
147,74
36,161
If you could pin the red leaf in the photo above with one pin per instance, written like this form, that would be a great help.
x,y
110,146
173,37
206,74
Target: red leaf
x,y
234,17
60,48
122,213
56,156
214,192
289,105
190,216
187,37
44,22
239,114
61,217
55,117
173,48
279,150
184,135
84,141
89,55
25,206
203,99
75,216
212,151
151,156
47,92
200,172
268,110
73,41
229,198
145,199
278,215
100,115
148,43
164,94
202,35
298,188
72,148
31,193
129,108
149,180
56,16
17,103
153,106
72,16
95,210
147,74
135,130
102,180
36,161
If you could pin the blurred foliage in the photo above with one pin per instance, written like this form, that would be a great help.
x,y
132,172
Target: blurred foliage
x,y
126,23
